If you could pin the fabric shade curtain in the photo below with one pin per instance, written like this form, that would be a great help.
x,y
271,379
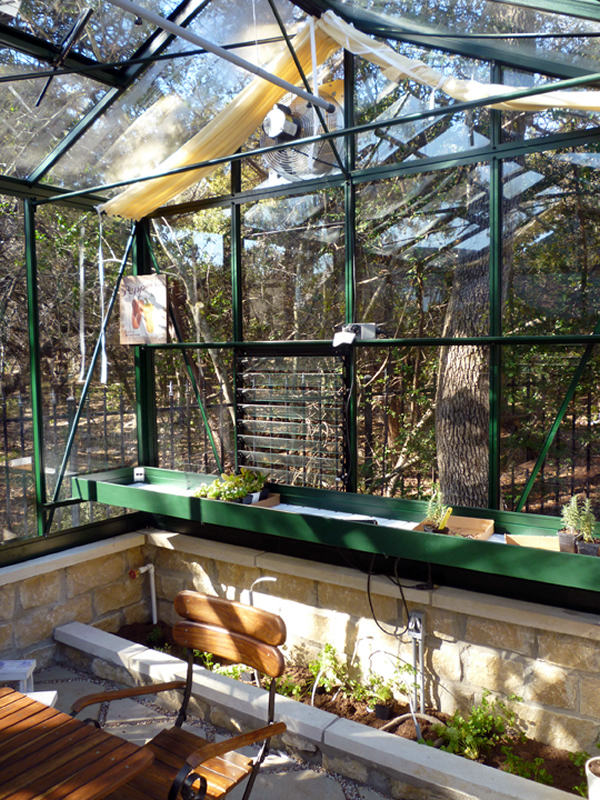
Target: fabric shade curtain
x,y
223,135
228,131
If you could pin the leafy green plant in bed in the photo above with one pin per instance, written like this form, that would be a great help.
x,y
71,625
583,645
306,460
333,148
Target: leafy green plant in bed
x,y
489,723
532,770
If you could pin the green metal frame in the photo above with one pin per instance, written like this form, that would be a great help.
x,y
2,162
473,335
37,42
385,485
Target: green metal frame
x,y
556,570
366,538
145,391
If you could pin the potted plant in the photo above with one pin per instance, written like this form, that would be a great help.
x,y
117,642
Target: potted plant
x,y
440,519
592,773
438,513
588,544
569,533
247,487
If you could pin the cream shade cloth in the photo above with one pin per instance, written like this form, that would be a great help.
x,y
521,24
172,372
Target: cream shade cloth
x,y
398,68
225,134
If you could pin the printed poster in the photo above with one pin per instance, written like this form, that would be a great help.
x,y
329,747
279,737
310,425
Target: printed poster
x,y
143,303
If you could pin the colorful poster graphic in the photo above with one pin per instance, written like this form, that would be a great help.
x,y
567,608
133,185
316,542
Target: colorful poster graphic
x,y
143,304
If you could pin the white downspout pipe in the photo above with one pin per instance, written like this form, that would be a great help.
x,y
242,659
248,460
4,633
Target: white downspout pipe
x,y
149,568
199,41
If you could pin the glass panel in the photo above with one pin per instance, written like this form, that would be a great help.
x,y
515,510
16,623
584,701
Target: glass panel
x,y
293,267
377,98
422,253
173,100
551,242
17,494
184,441
29,132
195,252
536,379
396,423
69,294
434,18
530,125
110,35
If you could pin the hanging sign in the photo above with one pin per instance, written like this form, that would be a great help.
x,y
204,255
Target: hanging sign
x,y
143,304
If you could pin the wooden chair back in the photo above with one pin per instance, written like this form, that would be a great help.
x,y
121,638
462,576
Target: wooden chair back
x,y
230,630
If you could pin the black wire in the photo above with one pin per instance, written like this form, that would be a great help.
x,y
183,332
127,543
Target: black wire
x,y
399,585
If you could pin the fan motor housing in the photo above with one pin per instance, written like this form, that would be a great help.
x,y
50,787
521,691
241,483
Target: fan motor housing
x,y
295,119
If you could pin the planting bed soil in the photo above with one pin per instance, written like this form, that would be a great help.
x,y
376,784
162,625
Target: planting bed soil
x,y
555,762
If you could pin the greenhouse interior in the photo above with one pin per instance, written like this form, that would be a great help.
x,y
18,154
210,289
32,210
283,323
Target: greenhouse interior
x,y
299,307
348,246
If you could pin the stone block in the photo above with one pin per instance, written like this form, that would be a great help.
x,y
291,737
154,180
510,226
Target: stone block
x,y
174,561
141,612
117,595
443,624
370,637
495,670
502,635
443,659
111,623
137,557
99,572
573,652
305,624
568,731
238,576
167,586
6,638
349,767
298,743
111,672
7,602
45,656
78,608
404,791
32,627
550,685
42,590
589,694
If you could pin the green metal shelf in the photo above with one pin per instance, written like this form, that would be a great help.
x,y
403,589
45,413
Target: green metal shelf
x,y
163,494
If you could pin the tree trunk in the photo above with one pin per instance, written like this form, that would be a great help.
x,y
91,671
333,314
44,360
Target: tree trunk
x,y
462,393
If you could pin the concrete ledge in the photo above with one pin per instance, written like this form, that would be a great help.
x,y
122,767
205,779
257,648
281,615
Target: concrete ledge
x,y
76,555
489,607
424,768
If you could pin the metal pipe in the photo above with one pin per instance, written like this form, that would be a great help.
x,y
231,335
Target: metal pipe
x,y
149,568
183,33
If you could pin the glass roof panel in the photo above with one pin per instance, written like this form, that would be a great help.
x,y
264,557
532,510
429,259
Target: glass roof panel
x,y
174,99
484,18
110,34
29,132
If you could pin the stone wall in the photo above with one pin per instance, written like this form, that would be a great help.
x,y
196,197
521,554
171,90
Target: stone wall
x,y
473,642
89,584
547,656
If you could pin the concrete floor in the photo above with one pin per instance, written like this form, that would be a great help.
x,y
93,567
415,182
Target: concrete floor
x,y
139,720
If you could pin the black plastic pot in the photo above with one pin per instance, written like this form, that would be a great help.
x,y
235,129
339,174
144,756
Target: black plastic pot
x,y
383,711
587,548
567,542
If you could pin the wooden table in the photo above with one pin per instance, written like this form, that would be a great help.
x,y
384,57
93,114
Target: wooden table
x,y
46,753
